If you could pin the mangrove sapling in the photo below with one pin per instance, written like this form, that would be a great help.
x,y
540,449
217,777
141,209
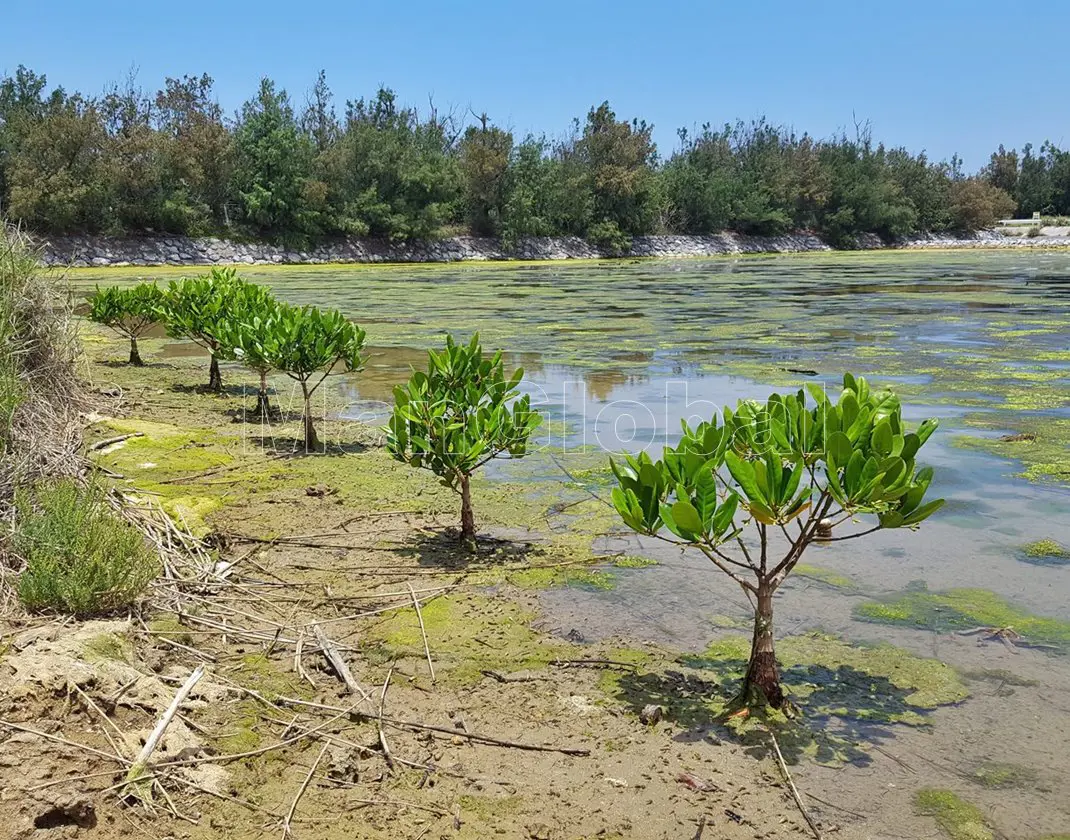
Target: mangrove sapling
x,y
303,342
202,308
129,312
248,336
751,490
458,416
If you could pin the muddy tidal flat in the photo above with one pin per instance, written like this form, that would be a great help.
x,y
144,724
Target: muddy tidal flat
x,y
916,722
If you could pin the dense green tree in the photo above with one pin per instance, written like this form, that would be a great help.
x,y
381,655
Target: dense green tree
x,y
863,195
974,204
57,175
394,173
526,211
126,162
484,157
273,169
619,159
199,153
1002,170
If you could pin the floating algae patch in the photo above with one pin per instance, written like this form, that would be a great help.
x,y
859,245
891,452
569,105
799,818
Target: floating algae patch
x,y
828,577
965,609
632,562
957,818
546,577
467,634
1045,553
994,775
1042,443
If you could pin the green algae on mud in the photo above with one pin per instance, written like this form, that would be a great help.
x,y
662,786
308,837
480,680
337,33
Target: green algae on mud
x,y
825,676
469,634
957,818
841,690
965,609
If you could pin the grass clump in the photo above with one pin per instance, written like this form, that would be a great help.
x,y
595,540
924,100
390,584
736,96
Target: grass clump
x,y
957,818
79,557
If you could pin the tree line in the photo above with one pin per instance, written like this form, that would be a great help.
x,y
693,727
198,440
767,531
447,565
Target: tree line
x,y
128,161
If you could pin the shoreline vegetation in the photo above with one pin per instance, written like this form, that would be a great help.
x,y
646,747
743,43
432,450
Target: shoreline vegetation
x,y
132,161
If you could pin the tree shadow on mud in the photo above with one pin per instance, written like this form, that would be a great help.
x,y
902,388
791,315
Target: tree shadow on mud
x,y
842,709
123,363
285,446
205,390
443,548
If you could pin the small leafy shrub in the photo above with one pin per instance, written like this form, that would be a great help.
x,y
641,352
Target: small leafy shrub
x,y
302,342
609,237
201,309
458,416
130,312
80,558
1033,232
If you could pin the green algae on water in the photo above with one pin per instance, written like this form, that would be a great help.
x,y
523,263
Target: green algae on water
x,y
965,609
828,577
1045,553
957,818
995,775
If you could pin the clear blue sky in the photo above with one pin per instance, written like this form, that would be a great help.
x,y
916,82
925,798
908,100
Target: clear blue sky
x,y
944,75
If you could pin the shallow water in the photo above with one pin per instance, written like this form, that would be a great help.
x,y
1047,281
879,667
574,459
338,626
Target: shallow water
x,y
619,353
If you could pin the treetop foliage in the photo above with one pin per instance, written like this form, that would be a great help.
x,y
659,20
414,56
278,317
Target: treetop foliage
x,y
129,161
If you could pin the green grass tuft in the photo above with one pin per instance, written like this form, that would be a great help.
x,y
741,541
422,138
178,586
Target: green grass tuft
x,y
80,558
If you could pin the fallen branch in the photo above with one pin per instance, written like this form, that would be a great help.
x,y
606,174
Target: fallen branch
x,y
301,792
794,790
104,444
423,632
426,727
382,735
592,663
59,740
334,657
137,769
502,678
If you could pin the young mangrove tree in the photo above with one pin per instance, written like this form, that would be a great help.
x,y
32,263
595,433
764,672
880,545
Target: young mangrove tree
x,y
303,342
458,416
129,312
754,488
203,309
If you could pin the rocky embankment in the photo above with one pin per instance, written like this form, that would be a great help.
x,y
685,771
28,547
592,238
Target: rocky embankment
x,y
84,251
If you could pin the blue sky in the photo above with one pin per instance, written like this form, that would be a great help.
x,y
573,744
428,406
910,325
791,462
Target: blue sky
x,y
944,75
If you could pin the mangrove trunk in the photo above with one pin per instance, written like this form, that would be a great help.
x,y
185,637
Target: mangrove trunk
x,y
312,441
468,519
761,685
135,356
215,378
263,405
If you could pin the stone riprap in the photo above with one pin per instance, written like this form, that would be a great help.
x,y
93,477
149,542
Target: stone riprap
x,y
100,251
